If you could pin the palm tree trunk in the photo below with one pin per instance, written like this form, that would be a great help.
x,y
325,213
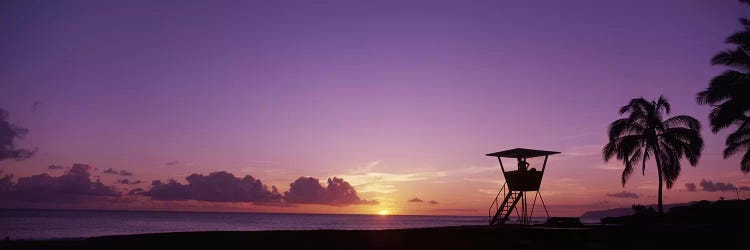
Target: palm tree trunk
x,y
661,184
661,206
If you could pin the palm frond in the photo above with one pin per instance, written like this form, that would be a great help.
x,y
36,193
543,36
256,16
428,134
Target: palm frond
x,y
627,149
626,172
609,150
745,123
622,148
724,86
686,142
745,22
739,135
737,59
741,38
624,126
670,164
645,158
637,105
730,112
635,157
736,142
745,163
663,103
630,161
682,121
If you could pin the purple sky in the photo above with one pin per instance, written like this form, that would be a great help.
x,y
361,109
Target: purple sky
x,y
378,91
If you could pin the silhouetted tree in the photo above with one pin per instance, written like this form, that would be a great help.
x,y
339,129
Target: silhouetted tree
x,y
729,94
645,134
641,210
9,133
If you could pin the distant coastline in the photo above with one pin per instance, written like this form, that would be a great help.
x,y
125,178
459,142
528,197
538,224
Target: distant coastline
x,y
622,211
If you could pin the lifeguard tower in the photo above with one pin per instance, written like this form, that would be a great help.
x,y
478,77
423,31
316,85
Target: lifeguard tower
x,y
517,184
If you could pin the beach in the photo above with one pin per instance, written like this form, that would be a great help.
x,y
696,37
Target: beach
x,y
461,237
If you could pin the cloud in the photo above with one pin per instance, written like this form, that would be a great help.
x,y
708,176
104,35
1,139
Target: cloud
x,y
129,182
416,200
215,187
378,182
488,191
308,190
480,174
9,134
172,163
120,172
368,180
55,167
73,186
690,187
710,186
624,194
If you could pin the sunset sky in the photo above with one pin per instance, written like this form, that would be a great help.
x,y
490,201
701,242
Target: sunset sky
x,y
401,99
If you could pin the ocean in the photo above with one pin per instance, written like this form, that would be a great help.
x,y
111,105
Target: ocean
x,y
55,224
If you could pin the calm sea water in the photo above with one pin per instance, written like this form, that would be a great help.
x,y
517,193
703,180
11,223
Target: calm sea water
x,y
50,224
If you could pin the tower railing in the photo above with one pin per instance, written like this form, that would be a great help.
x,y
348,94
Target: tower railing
x,y
496,203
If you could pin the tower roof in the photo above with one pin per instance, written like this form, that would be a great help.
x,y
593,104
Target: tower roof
x,y
522,153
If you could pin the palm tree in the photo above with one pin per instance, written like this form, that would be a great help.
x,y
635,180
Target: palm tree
x,y
729,94
645,134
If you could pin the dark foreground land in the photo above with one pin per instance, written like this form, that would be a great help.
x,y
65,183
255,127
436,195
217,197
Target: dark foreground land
x,y
601,237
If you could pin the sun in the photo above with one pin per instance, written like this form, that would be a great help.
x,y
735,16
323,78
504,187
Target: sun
x,y
383,212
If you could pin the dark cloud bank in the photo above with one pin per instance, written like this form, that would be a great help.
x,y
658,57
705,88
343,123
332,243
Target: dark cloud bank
x,y
55,167
307,190
129,182
76,185
418,200
118,172
215,187
710,186
690,187
225,187
73,186
624,194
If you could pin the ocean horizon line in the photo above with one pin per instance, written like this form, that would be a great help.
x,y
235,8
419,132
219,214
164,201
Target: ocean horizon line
x,y
230,212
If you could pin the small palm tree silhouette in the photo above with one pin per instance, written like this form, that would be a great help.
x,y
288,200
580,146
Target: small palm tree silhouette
x,y
645,134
